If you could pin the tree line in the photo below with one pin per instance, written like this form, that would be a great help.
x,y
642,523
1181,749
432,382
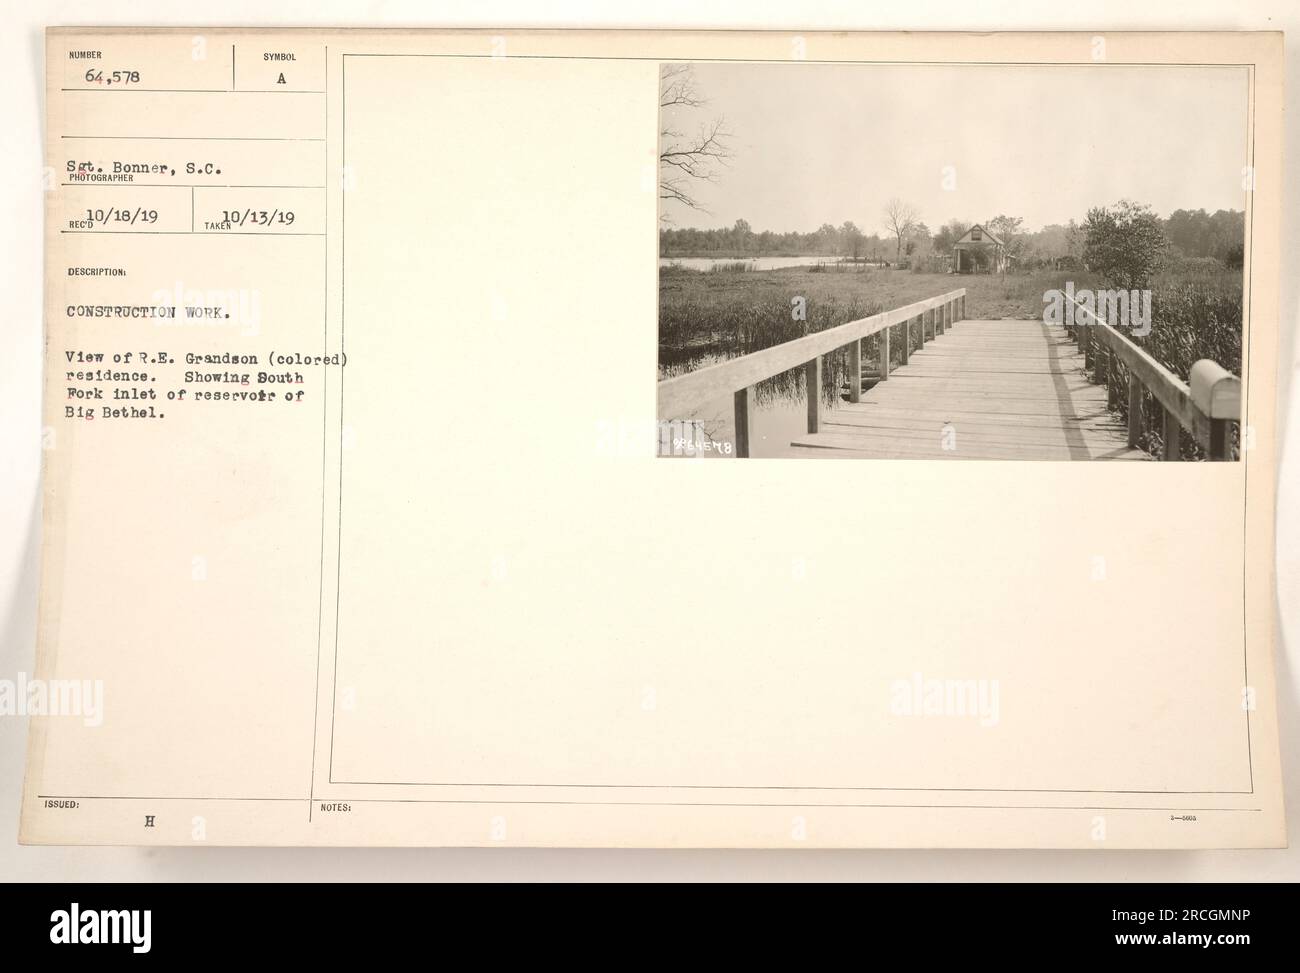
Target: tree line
x,y
1186,233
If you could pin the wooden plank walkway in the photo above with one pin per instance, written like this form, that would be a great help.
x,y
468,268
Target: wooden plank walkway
x,y
1006,390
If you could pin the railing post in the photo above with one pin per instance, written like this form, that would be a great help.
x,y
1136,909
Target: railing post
x,y
1112,376
907,342
1216,393
884,354
813,383
1086,345
1134,408
1170,434
744,406
941,321
855,371
1220,441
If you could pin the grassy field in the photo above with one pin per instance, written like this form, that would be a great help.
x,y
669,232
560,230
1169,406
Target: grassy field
x,y
709,315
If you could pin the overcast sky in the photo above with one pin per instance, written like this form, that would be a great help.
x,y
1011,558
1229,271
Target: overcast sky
x,y
818,144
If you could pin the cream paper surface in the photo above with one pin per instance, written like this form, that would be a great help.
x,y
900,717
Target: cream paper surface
x,y
441,592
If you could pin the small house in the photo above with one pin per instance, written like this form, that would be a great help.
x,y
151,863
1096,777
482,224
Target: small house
x,y
979,252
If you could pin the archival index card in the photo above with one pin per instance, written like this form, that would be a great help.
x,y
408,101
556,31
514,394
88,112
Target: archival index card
x,y
439,430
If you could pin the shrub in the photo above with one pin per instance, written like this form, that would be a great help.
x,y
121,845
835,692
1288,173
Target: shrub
x,y
1125,243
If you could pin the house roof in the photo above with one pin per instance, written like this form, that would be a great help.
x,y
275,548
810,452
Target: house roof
x,y
989,237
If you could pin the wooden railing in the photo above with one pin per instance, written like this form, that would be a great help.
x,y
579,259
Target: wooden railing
x,y
679,396
1206,406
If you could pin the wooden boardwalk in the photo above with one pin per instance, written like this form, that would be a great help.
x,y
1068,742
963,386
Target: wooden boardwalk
x,y
979,390
973,389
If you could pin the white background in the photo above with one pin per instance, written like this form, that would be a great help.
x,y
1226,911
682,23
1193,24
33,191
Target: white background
x,y
20,368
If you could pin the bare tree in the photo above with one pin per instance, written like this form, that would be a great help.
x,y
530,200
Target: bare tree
x,y
900,220
683,157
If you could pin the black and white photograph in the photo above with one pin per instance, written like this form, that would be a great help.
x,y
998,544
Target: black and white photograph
x,y
347,541
959,261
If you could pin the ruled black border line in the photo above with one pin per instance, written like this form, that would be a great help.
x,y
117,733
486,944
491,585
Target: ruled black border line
x,y
756,804
1251,66
178,185
324,424
202,91
271,234
190,138
1243,453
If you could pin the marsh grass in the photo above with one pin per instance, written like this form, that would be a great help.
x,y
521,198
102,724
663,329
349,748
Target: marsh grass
x,y
1196,313
708,316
